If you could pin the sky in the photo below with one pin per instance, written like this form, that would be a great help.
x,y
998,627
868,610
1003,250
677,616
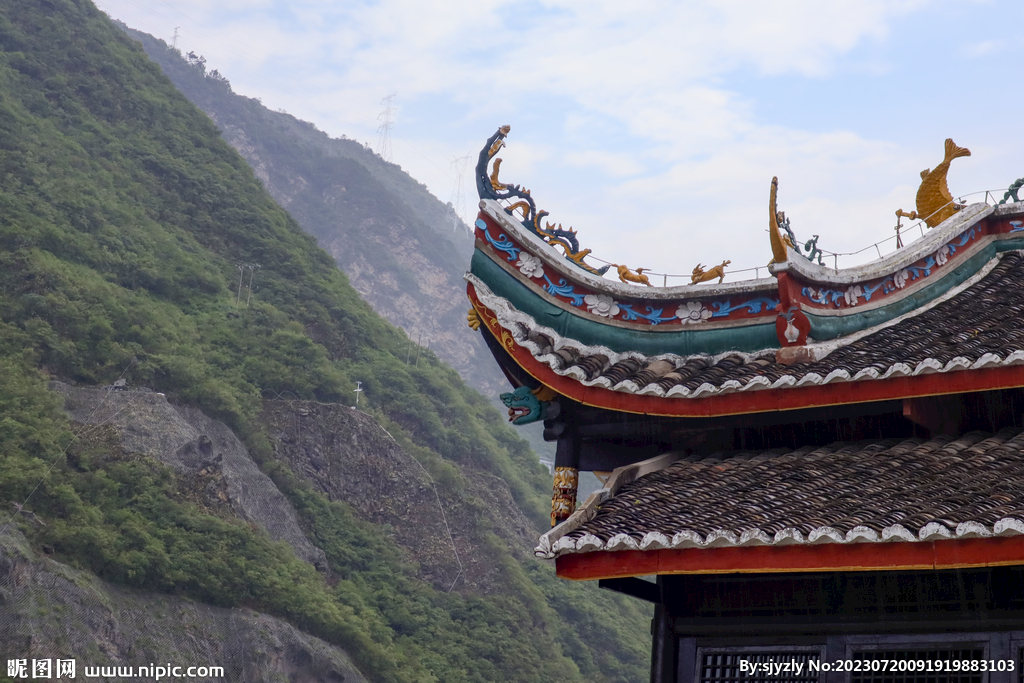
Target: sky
x,y
652,128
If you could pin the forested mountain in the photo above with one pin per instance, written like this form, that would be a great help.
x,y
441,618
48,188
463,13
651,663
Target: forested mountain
x,y
125,218
385,230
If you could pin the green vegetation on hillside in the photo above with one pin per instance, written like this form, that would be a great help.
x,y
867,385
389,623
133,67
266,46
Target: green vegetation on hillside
x,y
123,220
341,192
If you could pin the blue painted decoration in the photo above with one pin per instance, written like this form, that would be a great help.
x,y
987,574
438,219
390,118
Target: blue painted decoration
x,y
964,239
653,314
563,288
503,243
723,308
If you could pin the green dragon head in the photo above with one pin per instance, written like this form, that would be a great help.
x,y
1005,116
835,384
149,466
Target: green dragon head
x,y
524,406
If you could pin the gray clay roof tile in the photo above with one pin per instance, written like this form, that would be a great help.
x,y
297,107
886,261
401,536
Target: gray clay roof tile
x,y
910,489
983,320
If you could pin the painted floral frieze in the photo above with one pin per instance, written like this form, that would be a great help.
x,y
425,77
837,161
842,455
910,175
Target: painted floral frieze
x,y
853,295
637,311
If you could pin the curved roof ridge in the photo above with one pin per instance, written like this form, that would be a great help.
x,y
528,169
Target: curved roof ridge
x,y
698,375
887,265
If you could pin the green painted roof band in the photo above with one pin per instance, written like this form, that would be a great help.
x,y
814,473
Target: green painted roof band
x,y
824,328
686,341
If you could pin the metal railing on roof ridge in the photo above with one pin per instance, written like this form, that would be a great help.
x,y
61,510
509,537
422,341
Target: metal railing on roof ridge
x,y
921,225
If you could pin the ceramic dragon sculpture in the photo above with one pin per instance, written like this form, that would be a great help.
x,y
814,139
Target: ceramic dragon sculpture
x,y
523,208
526,405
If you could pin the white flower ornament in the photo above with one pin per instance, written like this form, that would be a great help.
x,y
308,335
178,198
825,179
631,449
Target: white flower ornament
x,y
900,278
602,305
529,265
692,312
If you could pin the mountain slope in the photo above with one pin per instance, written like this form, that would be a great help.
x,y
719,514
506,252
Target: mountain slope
x,y
383,228
125,218
52,611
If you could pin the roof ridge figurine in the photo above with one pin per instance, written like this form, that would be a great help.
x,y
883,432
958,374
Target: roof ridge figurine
x,y
934,202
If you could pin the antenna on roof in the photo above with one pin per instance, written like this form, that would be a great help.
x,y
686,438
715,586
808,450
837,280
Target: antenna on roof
x,y
384,129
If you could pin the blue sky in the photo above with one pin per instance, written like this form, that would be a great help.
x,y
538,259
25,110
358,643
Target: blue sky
x,y
653,128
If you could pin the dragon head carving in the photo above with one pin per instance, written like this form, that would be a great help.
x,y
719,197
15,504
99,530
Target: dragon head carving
x,y
524,406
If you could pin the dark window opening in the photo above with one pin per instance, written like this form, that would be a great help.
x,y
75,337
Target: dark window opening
x,y
923,665
757,666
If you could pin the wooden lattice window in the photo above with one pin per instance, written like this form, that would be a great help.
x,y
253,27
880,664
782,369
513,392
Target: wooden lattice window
x,y
727,665
934,657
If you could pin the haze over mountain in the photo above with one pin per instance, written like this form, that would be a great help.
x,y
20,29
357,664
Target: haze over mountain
x,y
229,507
393,239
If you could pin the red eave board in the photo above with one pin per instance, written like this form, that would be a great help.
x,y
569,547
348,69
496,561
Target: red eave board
x,y
896,555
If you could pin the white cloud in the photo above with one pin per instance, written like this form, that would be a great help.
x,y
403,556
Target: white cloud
x,y
982,48
611,164
633,118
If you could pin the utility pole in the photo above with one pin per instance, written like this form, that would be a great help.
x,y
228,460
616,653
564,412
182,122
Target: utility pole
x,y
384,129
456,204
174,40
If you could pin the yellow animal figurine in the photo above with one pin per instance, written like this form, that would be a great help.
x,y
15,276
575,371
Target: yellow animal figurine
x,y
934,202
701,275
627,275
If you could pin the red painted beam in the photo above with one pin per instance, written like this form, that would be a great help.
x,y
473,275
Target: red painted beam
x,y
894,555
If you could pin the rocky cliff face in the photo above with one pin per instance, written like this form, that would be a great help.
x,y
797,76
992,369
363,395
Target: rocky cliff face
x,y
52,611
201,450
341,452
346,455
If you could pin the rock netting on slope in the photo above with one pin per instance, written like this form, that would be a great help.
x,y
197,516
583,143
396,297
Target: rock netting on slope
x,y
346,455
51,611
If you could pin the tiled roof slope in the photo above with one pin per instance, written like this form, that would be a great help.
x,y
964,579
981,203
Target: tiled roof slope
x,y
982,325
869,491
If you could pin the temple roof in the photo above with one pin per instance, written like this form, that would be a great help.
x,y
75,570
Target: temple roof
x,y
930,335
979,324
893,490
810,336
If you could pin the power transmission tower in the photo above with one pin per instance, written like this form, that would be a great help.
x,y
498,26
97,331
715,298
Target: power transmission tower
x,y
457,203
174,40
241,272
252,270
384,129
